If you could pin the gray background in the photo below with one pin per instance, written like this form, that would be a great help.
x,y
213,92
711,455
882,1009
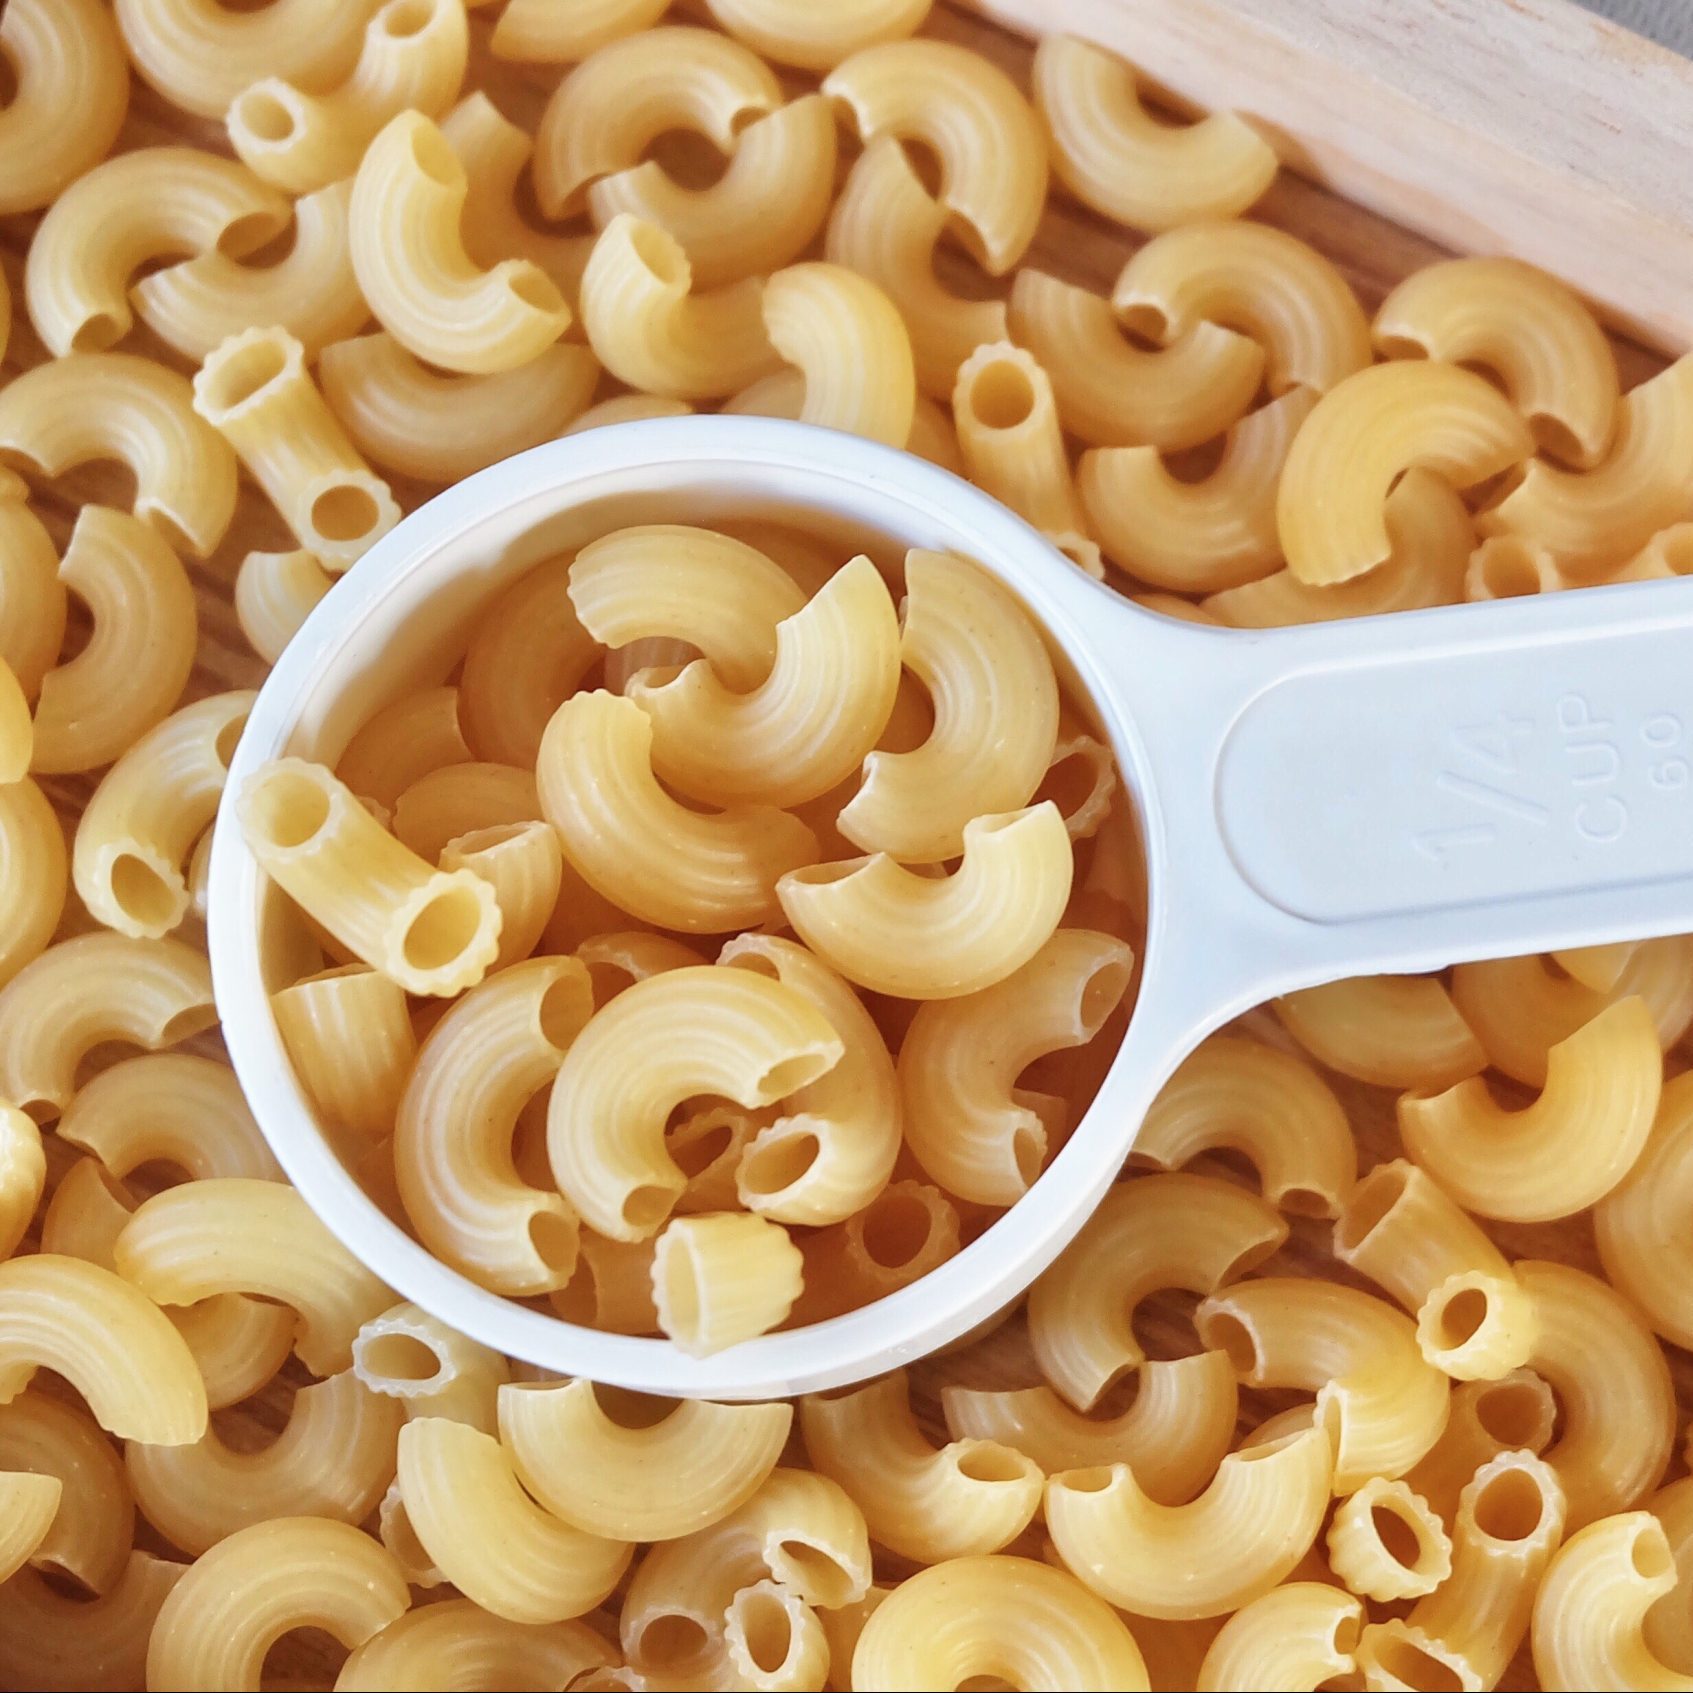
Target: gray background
x,y
1668,21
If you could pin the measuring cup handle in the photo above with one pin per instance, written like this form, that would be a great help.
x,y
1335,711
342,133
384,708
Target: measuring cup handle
x,y
1402,793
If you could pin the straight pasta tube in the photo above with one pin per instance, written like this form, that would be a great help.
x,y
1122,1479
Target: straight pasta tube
x,y
255,391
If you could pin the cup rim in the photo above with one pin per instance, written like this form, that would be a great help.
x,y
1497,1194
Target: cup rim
x,y
962,1293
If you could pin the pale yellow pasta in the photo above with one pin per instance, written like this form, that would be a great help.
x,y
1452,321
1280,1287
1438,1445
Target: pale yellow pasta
x,y
64,1645
1081,780
1378,1400
237,1235
107,1339
430,1369
528,654
1237,1095
34,875
997,1619
617,960
1195,537
628,408
312,293
140,654
1392,1031
23,1175
1613,1389
1237,1540
238,1343
761,214
623,96
886,226
1173,1437
1598,517
349,1038
17,734
704,1030
1506,567
773,1639
115,406
434,932
794,33
723,1277
1118,159
456,1644
240,1597
1667,555
139,827
1431,536
1590,1611
832,1148
1369,429
965,109
86,991
442,428
1394,1654
1669,1623
1159,1232
423,286
395,1531
1569,1148
995,698
1385,1543
86,1214
168,1108
197,1495
523,864
658,1481
1639,1226
632,842
1520,1008
412,58
612,1288
1008,431
28,1505
1509,1522
254,389
65,57
1113,393
154,203
492,1051
895,931
1301,1634
489,1538
1409,1236
459,799
1515,1413
652,330
927,1504
708,1145
807,726
274,594
902,1234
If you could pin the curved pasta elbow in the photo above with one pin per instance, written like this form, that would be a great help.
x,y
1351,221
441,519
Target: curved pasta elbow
x,y
797,35
1300,1634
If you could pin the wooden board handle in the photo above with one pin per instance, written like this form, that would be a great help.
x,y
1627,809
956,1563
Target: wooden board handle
x,y
1525,127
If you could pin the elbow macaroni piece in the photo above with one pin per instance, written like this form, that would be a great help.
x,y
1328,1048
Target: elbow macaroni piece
x,y
991,149
434,932
495,1048
52,1641
1564,1152
34,875
489,1538
349,1037
402,743
23,1175
255,392
1404,1561
1008,431
1382,1405
237,1235
524,865
154,203
416,422
137,831
411,260
1515,1413
1238,1095
457,1644
460,799
995,699
1157,1232
1302,1634
1238,1539
113,405
428,1368
542,32
722,1278
1366,431
65,57
1127,165
1391,1031
274,594
894,931
964,1500
794,33
240,1597
32,598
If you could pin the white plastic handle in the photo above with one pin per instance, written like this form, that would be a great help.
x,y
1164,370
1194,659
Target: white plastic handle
x,y
1402,793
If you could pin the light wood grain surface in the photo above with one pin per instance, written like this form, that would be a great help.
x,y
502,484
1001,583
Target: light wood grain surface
x,y
1374,254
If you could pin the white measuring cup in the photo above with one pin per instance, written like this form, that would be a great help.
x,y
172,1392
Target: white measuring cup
x,y
1385,794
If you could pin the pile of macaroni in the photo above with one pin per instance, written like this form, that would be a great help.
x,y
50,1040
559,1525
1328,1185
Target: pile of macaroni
x,y
1414,1433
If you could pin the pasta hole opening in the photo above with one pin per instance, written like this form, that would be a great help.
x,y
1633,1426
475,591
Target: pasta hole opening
x,y
1462,1316
1304,1202
1406,1664
1086,556
444,929
264,117
1650,1554
1002,396
240,376
96,333
987,1461
1028,1149
632,1410
644,1208
1517,1414
813,1573
986,1684
1555,438
246,233
564,1008
1347,1633
1102,993
1509,1505
789,1075
401,1538
555,1241
1368,1205
194,1021
698,1142
765,1627
344,512
779,1163
402,1357
403,19
1399,1537
1094,1480
1226,1333
433,154
533,288
1400,347
316,1646
228,739
895,1229
661,255
671,1642
143,895
694,160
1146,321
